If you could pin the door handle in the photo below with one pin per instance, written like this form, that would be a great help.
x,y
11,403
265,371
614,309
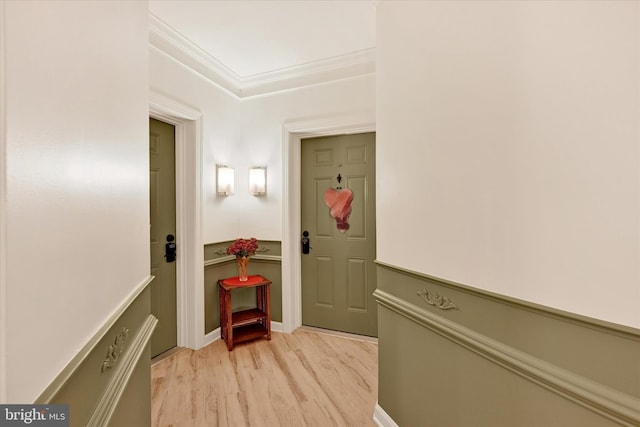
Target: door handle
x,y
170,249
305,242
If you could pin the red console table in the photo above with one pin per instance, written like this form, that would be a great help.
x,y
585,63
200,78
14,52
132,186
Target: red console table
x,y
247,324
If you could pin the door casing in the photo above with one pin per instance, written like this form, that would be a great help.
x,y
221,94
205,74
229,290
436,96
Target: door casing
x,y
190,270
293,133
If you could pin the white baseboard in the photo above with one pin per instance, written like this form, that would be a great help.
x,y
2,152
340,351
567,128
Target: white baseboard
x,y
276,327
211,337
381,418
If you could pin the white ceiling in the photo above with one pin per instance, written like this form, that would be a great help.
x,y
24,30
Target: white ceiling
x,y
245,40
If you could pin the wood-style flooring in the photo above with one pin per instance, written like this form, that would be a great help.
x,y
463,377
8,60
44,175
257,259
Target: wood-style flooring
x,y
300,379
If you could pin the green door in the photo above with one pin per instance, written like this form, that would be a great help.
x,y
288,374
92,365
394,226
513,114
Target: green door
x,y
338,273
162,199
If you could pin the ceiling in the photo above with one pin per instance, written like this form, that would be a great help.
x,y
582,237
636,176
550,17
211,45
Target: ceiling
x,y
255,47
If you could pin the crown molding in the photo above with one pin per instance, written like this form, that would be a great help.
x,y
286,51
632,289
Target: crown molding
x,y
173,44
327,70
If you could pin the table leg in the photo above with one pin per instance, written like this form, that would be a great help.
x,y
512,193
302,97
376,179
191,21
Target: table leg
x,y
267,289
229,321
223,316
260,301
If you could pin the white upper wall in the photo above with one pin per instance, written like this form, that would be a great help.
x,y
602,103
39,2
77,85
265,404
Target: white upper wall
x,y
77,178
249,132
508,147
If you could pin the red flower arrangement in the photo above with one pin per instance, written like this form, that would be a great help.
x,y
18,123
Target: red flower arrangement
x,y
243,248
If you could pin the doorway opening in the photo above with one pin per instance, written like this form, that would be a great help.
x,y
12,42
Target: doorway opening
x,y
162,213
189,264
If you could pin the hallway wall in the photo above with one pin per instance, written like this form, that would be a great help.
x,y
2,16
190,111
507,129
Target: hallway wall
x,y
508,213
77,178
509,145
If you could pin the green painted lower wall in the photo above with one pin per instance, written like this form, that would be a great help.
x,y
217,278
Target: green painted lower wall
x,y
218,265
452,355
108,382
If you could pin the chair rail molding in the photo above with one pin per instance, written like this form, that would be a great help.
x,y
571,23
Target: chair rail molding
x,y
615,405
547,365
75,364
98,388
109,402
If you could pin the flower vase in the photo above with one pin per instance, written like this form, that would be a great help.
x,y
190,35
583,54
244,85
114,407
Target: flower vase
x,y
243,265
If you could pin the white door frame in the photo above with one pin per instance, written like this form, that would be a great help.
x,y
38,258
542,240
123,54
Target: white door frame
x,y
189,262
293,133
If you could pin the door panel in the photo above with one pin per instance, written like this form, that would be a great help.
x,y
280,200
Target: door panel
x,y
357,284
324,282
162,212
338,275
358,219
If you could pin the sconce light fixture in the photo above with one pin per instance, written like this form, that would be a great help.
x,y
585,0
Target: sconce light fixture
x,y
258,180
224,180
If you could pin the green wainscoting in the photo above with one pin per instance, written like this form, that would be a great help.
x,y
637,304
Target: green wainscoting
x,y
453,355
218,265
108,382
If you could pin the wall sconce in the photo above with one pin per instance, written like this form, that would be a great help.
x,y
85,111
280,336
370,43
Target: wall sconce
x,y
258,180
224,181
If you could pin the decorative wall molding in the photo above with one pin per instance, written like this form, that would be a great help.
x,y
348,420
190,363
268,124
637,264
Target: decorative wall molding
x,y
100,396
216,253
262,249
612,404
230,258
583,321
107,405
434,299
221,260
223,251
115,350
171,43
75,364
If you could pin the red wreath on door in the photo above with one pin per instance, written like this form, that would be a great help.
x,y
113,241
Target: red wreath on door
x,y
339,203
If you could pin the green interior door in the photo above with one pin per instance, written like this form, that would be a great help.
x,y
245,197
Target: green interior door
x,y
338,273
162,199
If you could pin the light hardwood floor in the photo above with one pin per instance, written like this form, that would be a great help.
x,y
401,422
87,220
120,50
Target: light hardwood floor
x,y
301,379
